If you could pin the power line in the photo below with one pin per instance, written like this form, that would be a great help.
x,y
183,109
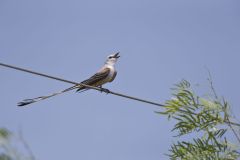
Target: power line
x,y
88,86
92,87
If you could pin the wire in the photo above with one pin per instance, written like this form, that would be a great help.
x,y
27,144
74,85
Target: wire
x,y
88,86
92,87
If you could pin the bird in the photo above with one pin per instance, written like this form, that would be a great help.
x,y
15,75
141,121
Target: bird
x,y
105,74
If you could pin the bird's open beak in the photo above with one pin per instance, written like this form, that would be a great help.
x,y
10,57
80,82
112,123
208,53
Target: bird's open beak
x,y
116,55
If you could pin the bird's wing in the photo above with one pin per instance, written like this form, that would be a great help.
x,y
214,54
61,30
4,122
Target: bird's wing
x,y
96,78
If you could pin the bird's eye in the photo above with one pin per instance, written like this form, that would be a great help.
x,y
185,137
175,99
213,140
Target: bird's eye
x,y
110,57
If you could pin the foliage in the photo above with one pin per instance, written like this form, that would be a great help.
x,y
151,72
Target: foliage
x,y
4,136
8,141
208,118
4,133
4,156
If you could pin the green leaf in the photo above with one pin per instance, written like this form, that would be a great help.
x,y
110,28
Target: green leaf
x,y
4,133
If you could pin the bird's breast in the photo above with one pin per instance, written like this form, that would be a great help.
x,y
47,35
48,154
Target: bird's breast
x,y
111,73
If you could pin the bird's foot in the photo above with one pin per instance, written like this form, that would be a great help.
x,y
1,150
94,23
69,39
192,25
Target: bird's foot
x,y
107,91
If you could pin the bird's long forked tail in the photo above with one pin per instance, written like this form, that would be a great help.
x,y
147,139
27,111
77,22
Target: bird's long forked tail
x,y
33,100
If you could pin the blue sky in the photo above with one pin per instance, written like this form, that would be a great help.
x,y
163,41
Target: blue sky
x,y
161,42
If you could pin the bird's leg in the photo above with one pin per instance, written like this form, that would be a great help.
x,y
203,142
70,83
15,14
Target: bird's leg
x,y
104,90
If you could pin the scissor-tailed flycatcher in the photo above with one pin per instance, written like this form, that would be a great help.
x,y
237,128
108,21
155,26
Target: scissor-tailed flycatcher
x,y
106,74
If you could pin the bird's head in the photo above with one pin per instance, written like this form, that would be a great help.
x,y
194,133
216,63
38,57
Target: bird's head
x,y
112,59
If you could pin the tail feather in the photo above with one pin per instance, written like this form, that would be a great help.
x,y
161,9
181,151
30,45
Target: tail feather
x,y
80,90
26,102
33,100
